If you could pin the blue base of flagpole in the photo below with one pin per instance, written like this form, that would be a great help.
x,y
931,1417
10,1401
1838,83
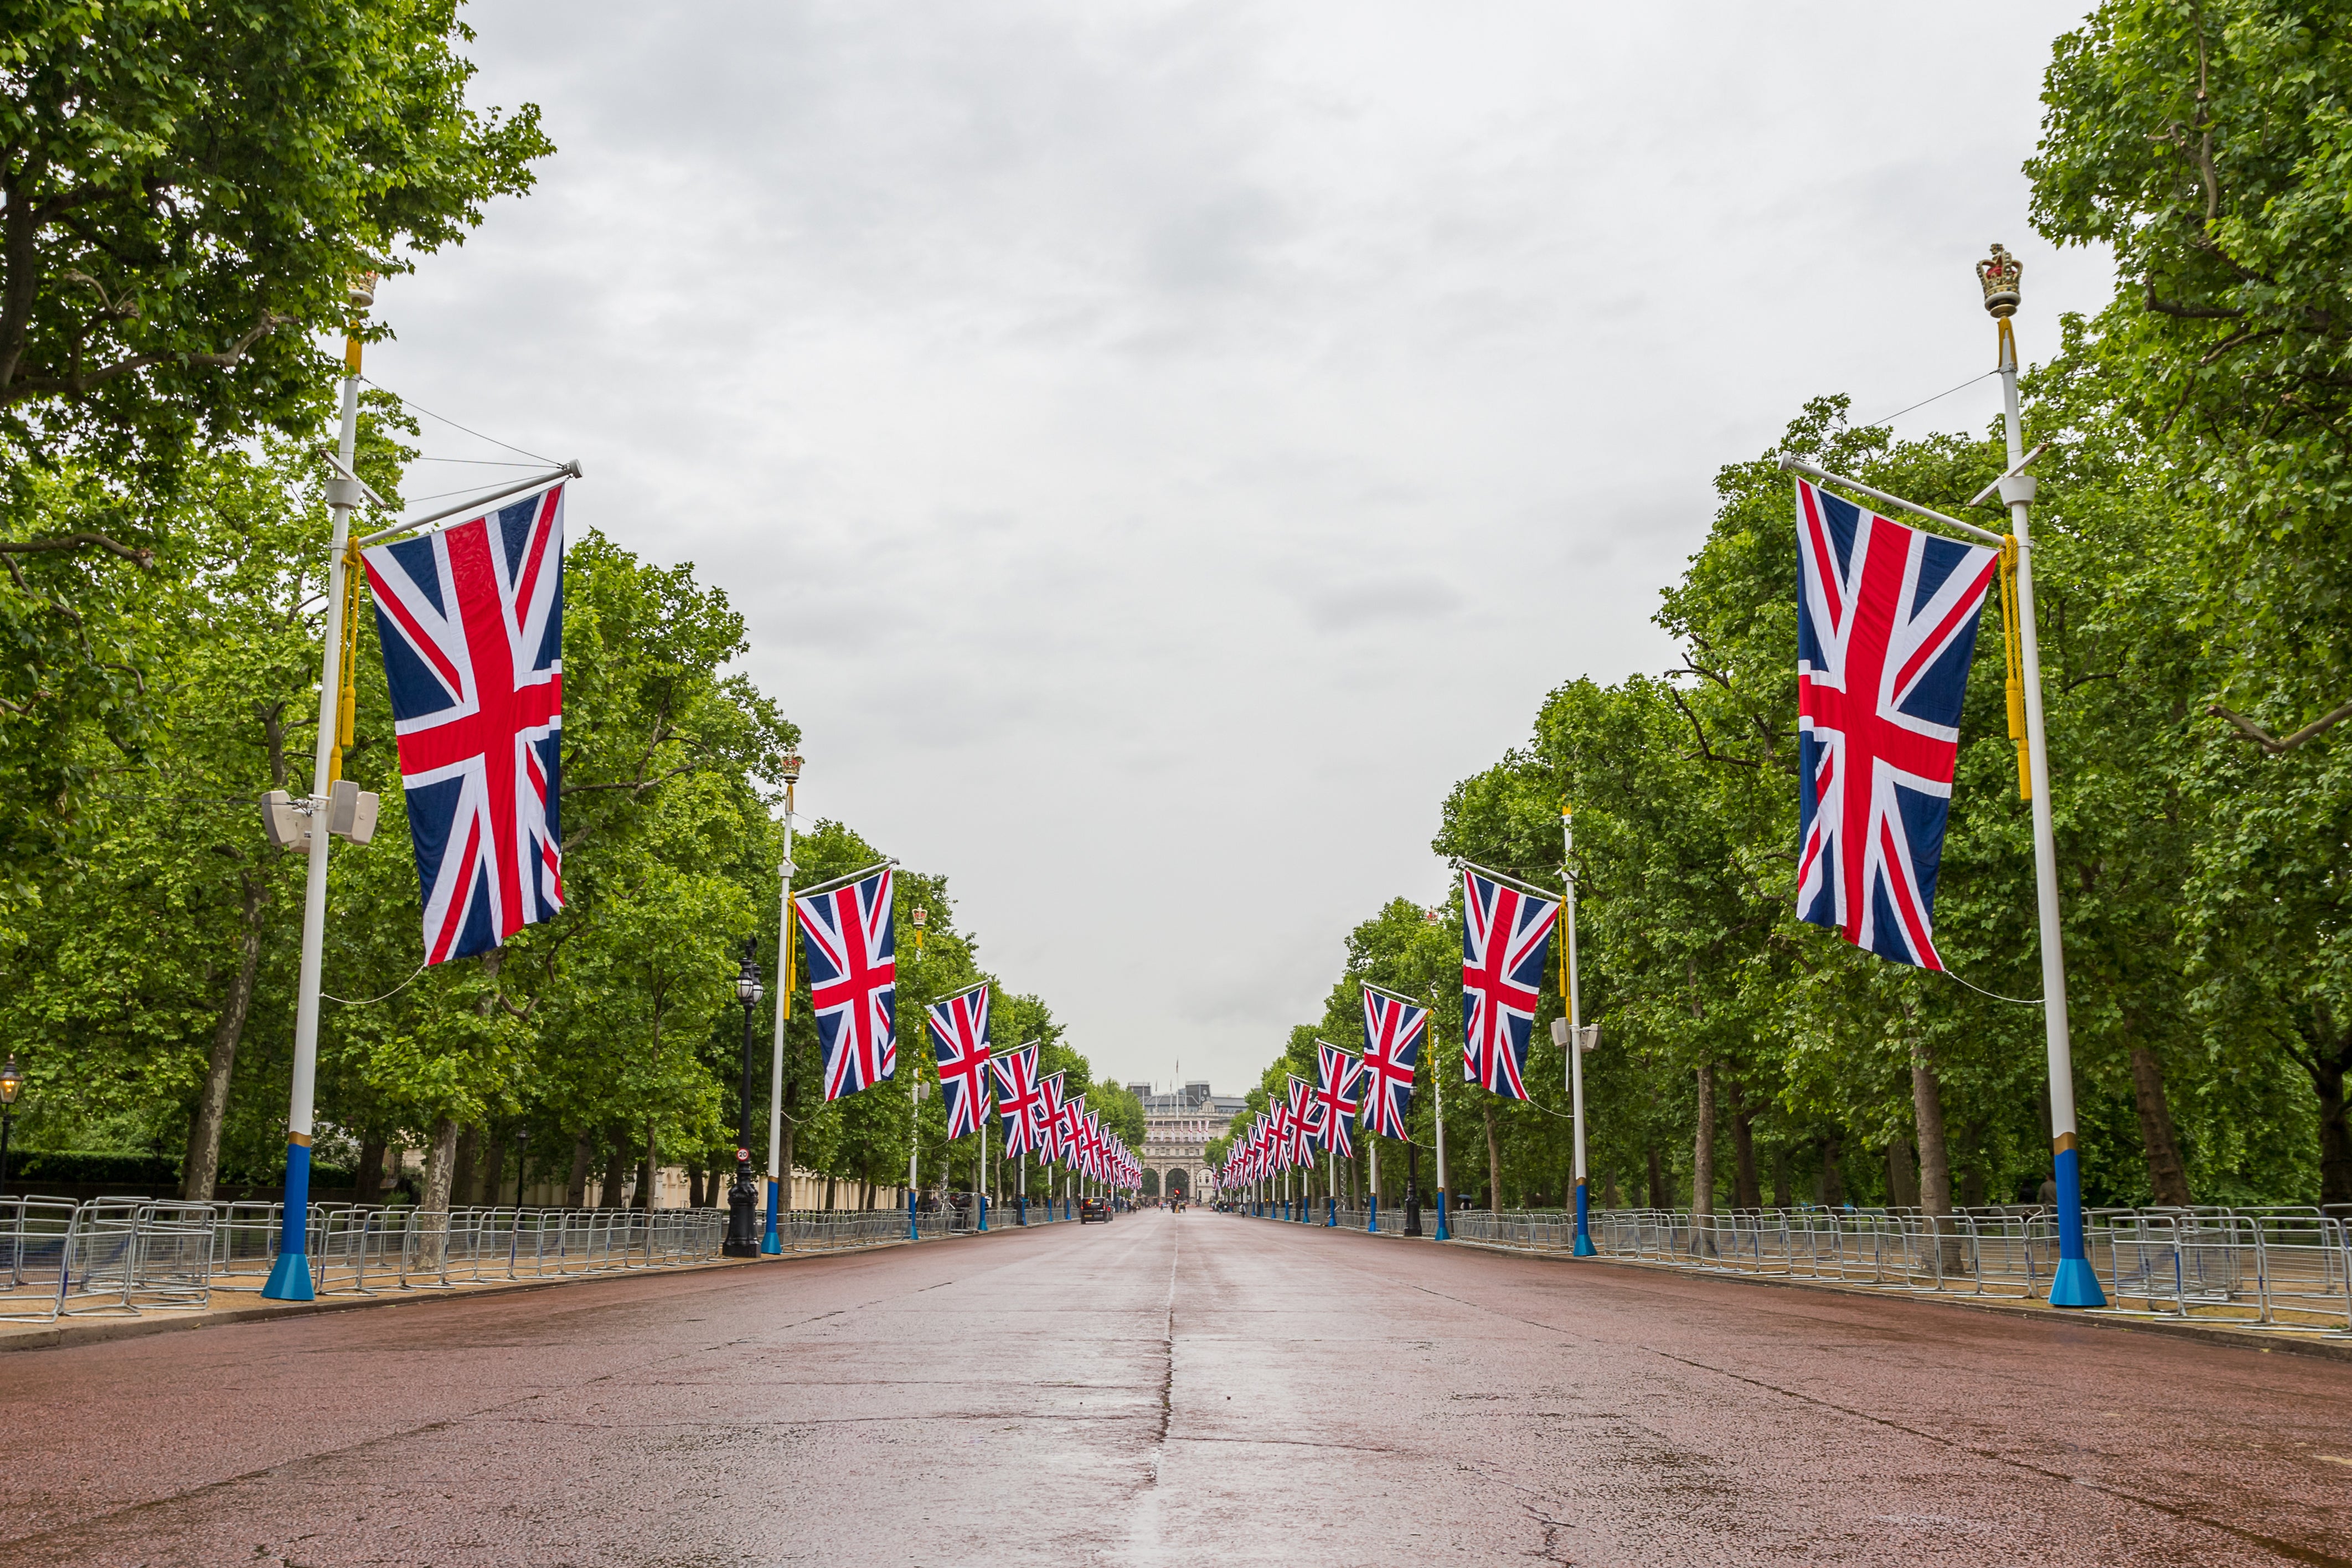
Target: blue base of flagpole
x,y
1442,1234
1584,1247
1373,1216
2075,1284
984,1211
771,1241
1330,1213
914,1233
289,1278
1021,1211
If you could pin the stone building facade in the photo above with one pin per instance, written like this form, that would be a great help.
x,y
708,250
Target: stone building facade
x,y
1178,1125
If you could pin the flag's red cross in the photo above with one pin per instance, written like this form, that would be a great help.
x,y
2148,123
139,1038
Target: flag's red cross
x,y
1391,1027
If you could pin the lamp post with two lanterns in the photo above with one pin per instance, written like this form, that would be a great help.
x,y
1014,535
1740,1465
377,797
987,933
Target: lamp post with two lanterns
x,y
743,1200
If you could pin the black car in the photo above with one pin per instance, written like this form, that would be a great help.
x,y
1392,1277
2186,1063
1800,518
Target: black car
x,y
1093,1208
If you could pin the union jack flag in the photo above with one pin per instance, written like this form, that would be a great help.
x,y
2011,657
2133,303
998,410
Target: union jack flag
x,y
1505,936
1887,624
1335,1095
959,1042
470,620
853,971
1016,1096
1300,1129
1069,1120
1049,1120
1393,1029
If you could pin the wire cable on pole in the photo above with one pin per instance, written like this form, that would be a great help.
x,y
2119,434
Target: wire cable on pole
x,y
374,1000
477,434
2020,1001
1916,406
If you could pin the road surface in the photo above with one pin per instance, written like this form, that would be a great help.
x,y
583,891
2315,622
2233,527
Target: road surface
x,y
1167,1389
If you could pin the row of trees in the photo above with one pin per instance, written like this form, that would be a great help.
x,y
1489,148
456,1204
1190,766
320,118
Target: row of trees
x,y
2196,610
187,192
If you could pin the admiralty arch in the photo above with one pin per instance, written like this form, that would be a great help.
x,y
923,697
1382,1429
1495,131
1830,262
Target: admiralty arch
x,y
1178,1125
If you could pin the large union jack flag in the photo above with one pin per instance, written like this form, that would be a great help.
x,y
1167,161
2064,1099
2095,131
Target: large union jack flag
x,y
1505,936
470,620
1016,1098
959,1042
1335,1072
853,971
1393,1029
1886,623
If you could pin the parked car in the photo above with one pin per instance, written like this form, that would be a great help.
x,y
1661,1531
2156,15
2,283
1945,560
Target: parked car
x,y
1093,1208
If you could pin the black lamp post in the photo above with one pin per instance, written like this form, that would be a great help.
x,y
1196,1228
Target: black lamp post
x,y
743,1198
12,1084
522,1161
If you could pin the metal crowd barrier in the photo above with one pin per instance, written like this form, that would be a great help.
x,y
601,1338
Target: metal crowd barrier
x,y
127,1256
2285,1267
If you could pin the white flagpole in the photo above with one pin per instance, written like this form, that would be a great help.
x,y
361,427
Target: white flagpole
x,y
2075,1284
1575,1039
771,1240
289,1275
980,1183
1372,1197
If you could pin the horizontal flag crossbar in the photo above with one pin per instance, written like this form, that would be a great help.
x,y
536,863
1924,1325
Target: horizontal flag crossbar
x,y
975,985
1799,466
1393,996
828,886
472,509
1524,885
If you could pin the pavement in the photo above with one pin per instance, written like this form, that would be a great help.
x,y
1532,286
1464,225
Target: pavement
x,y
1169,1389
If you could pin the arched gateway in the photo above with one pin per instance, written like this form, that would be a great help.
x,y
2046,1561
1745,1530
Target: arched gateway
x,y
1177,1127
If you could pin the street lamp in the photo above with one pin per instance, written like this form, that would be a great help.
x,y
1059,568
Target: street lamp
x,y
12,1084
743,1201
922,918
522,1161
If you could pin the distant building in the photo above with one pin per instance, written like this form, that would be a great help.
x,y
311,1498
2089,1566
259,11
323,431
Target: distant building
x,y
1177,1127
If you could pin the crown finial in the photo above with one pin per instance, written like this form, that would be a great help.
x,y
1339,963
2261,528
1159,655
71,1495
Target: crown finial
x,y
1998,274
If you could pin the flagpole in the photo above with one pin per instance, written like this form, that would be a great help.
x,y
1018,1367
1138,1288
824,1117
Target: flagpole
x,y
979,1177
289,1275
2075,1284
1437,1092
771,1239
1331,1203
1575,1036
1372,1197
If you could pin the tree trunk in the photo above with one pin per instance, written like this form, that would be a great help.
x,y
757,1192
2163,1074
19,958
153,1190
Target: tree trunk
x,y
1780,1193
694,1187
616,1191
1703,1146
440,1161
831,1183
492,1183
2331,1056
1747,1193
651,1169
2167,1178
200,1171
1901,1176
370,1177
461,1181
575,1188
1934,1149
1659,1197
1493,1162
1831,1180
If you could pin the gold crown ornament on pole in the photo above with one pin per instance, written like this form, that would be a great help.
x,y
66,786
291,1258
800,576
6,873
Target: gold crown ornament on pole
x,y
1999,273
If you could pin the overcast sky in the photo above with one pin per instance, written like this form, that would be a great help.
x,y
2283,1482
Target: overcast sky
x,y
1159,449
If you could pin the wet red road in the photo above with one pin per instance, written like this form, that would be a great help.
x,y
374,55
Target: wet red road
x,y
1165,1389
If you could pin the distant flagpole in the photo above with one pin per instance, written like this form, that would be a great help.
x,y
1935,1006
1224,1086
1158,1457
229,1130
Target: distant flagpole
x,y
1437,1114
771,1239
1575,1031
289,1275
2075,1284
